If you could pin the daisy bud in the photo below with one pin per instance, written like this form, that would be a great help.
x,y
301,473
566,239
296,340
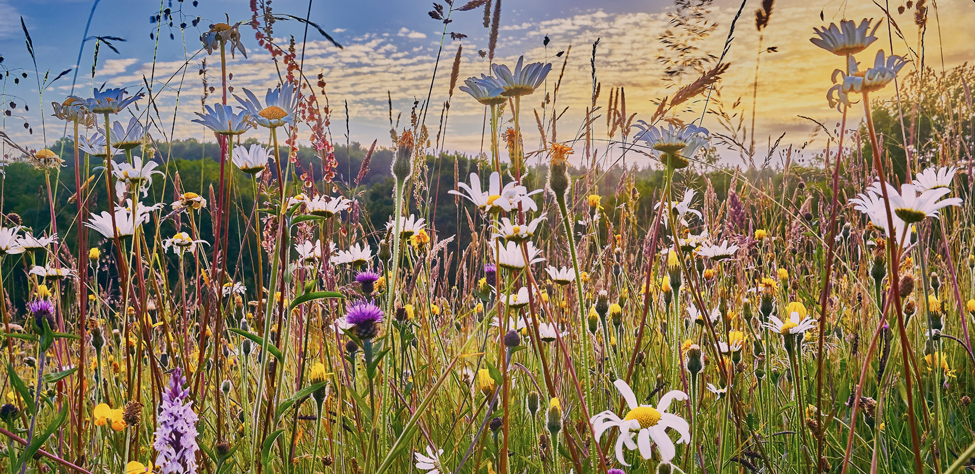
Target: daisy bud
x,y
225,387
532,402
554,417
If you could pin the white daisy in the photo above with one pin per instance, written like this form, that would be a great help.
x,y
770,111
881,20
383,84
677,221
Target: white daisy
x,y
681,208
127,137
717,252
516,232
647,423
932,178
718,392
562,276
797,322
496,197
222,120
10,241
697,316
429,463
407,225
549,332
181,242
519,299
326,206
358,254
278,107
138,174
29,242
509,255
485,89
523,80
913,206
847,39
233,289
884,71
53,273
251,160
872,204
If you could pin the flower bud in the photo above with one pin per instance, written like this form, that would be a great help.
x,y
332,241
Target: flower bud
x,y
907,286
553,418
402,163
512,339
495,424
532,402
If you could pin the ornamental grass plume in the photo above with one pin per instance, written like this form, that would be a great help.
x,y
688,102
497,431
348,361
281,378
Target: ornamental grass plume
x,y
176,432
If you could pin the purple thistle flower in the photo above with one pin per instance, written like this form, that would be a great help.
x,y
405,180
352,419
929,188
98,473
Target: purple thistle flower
x,y
176,434
491,274
367,280
615,471
364,318
42,310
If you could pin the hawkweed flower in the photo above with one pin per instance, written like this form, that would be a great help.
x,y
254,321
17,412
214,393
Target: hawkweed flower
x,y
226,34
277,109
522,81
127,137
136,467
676,145
327,206
10,241
73,110
109,101
485,383
431,462
718,252
846,39
358,254
553,417
104,415
364,319
181,242
516,232
176,428
509,255
251,160
561,276
934,178
485,89
222,120
649,424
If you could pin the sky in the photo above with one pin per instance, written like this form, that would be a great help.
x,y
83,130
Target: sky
x,y
391,46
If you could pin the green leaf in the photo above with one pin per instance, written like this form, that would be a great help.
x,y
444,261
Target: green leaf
x,y
21,388
300,219
260,342
285,405
39,440
26,337
52,378
268,444
316,295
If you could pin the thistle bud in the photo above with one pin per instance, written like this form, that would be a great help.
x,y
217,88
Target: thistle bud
x,y
907,286
495,424
512,339
879,269
491,274
402,164
532,402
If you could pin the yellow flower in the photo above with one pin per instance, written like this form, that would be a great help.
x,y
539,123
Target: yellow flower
x,y
318,374
435,309
410,313
560,153
665,285
686,345
761,234
94,253
554,404
934,304
672,259
971,306
485,383
479,308
43,292
783,274
737,338
584,277
136,467
615,309
767,285
709,274
594,200
545,296
796,307
937,360
104,415
420,239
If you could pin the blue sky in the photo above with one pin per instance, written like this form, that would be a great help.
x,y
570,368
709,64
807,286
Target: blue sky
x,y
390,46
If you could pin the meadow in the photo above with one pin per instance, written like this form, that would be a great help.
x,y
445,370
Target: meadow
x,y
285,303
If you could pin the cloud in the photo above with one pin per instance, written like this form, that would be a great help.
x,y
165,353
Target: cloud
x,y
410,33
9,20
114,67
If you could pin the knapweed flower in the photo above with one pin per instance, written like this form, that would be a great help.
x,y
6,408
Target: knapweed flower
x,y
562,276
676,145
717,252
485,89
109,101
364,319
52,273
495,197
327,206
127,137
222,120
509,255
523,80
358,254
176,428
873,79
933,178
277,109
847,39
251,160
10,241
181,242
223,34
516,232
42,310
367,280
649,424
30,243
407,226
138,174
190,200
431,462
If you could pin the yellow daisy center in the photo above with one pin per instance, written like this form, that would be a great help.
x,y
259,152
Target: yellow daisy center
x,y
221,27
273,113
516,229
787,327
493,198
45,154
647,416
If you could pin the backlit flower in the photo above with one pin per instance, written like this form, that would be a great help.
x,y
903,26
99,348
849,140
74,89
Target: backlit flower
x,y
181,242
884,71
29,242
496,197
251,160
485,89
717,252
127,137
523,80
223,33
52,273
562,276
109,101
407,225
138,174
10,241
73,110
222,120
676,145
277,109
649,424
364,319
516,232
510,256
358,254
327,206
932,178
849,38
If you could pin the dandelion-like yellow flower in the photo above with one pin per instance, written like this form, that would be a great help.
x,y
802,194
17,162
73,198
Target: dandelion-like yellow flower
x,y
594,201
43,292
672,261
934,304
420,239
970,306
560,153
136,467
761,234
665,285
318,374
485,383
410,311
435,309
783,274
937,360
94,254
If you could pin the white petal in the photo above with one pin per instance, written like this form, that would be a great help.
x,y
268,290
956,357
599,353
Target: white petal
x,y
627,393
665,400
646,447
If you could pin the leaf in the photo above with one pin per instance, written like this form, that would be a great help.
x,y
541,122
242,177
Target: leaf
x,y
300,219
285,405
30,42
309,23
315,295
52,378
268,443
40,440
260,341
21,388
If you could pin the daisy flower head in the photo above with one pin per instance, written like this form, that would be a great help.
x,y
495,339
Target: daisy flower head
x,y
484,89
913,206
846,39
550,332
717,252
233,288
251,160
431,462
719,392
73,110
496,198
407,225
46,159
647,423
358,254
796,322
562,276
523,80
516,232
509,255
109,101
871,203
52,273
29,242
10,241
222,120
364,318
933,178
129,136
95,145
137,174
223,34
883,72
697,315
190,200
126,224
519,299
676,145
327,206
277,109
681,209
181,242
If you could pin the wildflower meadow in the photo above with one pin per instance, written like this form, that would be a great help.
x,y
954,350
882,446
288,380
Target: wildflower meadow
x,y
645,290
